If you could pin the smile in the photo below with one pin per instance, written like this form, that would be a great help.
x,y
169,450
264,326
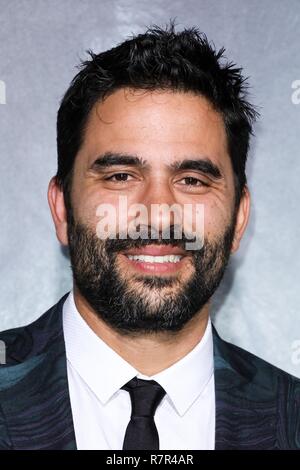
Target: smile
x,y
155,259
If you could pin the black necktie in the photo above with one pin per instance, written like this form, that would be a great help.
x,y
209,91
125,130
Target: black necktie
x,y
141,432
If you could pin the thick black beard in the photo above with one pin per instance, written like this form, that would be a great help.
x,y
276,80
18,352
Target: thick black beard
x,y
126,308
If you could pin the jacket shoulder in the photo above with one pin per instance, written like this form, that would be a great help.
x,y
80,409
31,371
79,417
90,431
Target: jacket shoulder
x,y
35,409
256,384
22,343
257,370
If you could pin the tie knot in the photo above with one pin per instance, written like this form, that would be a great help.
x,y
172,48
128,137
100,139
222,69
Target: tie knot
x,y
145,396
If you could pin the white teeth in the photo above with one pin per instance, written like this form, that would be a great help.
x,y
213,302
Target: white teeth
x,y
156,259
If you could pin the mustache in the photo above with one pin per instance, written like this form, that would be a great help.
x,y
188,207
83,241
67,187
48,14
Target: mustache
x,y
171,236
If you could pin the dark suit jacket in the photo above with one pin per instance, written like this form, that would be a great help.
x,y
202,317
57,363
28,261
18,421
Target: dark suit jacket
x,y
257,405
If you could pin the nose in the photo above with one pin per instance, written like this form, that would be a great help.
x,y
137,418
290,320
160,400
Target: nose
x,y
162,208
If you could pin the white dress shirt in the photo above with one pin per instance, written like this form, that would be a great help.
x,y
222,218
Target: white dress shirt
x,y
185,418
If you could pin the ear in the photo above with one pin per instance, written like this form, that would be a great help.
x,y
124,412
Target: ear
x,y
58,210
241,220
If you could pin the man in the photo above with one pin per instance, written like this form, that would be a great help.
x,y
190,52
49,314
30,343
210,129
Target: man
x,y
129,359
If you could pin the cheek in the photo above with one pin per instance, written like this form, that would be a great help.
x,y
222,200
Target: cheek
x,y
104,214
85,208
216,220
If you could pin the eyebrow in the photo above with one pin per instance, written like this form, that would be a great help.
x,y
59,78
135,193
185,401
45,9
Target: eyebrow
x,y
203,164
113,159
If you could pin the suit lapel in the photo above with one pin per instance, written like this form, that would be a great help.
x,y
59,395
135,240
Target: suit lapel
x,y
246,408
39,416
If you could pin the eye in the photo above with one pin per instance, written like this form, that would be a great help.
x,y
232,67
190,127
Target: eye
x,y
119,177
191,181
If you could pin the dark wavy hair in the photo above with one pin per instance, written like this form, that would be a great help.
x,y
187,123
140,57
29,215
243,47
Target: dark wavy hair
x,y
158,59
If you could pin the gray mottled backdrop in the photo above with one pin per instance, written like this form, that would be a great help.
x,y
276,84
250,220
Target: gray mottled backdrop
x,y
41,41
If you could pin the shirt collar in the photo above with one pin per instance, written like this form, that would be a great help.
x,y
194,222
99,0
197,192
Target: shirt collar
x,y
105,371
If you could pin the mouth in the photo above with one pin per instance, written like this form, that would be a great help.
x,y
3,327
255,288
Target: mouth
x,y
156,259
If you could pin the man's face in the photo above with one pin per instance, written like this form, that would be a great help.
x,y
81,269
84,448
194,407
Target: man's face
x,y
161,129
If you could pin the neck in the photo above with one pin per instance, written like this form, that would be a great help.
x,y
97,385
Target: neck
x,y
148,353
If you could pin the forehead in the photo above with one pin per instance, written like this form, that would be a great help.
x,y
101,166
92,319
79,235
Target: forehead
x,y
158,125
